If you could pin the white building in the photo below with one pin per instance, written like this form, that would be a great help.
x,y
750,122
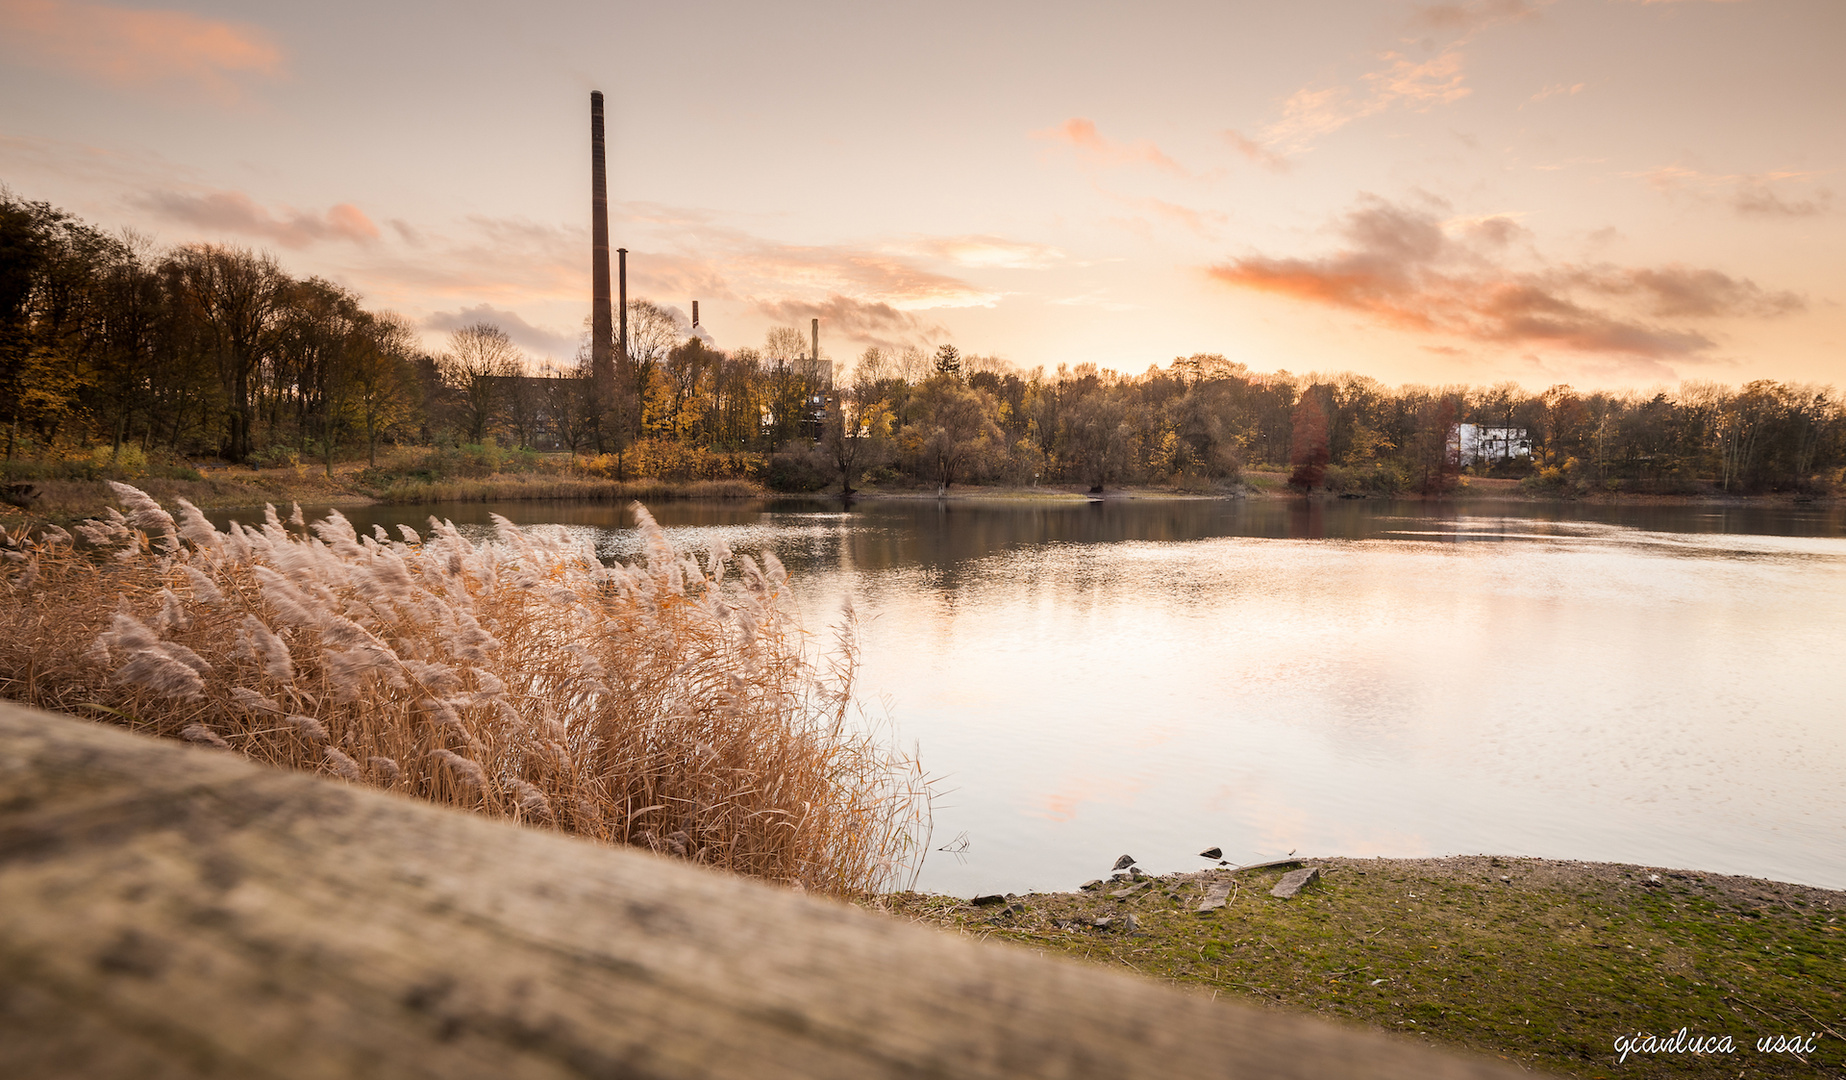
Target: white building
x,y
1476,442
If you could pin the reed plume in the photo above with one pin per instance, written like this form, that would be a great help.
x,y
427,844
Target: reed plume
x,y
653,704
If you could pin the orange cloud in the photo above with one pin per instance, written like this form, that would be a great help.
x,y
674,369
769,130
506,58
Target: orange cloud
x,y
236,212
1409,269
1081,134
139,48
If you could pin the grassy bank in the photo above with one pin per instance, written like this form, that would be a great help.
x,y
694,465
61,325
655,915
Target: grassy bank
x,y
1544,963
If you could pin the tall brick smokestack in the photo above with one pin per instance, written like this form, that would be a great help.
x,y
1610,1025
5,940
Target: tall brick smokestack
x,y
602,362
816,352
695,314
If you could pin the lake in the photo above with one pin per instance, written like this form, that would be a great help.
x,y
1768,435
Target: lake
x,y
1658,685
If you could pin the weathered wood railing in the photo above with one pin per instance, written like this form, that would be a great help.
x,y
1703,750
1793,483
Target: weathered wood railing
x,y
168,911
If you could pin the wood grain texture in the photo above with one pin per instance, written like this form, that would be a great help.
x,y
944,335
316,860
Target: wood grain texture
x,y
167,911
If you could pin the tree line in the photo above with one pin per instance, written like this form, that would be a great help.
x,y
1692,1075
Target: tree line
x,y
108,345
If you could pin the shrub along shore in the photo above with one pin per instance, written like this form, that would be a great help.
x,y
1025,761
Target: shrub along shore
x,y
1546,963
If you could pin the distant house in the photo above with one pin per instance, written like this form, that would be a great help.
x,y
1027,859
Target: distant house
x,y
1471,443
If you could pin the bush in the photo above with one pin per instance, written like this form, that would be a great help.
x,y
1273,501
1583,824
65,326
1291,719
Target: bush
x,y
664,459
127,460
650,705
800,468
1375,478
276,457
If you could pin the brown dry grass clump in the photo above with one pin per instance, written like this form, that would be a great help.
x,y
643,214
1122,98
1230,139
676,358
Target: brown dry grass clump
x,y
658,704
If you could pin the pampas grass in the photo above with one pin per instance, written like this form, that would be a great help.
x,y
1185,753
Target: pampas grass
x,y
657,704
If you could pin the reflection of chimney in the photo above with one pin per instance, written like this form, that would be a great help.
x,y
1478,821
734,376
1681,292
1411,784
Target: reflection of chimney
x,y
695,314
600,365
622,269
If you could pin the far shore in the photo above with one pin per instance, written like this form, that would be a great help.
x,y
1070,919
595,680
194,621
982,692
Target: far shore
x,y
1540,961
228,487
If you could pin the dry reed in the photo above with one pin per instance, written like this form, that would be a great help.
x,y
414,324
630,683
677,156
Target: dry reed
x,y
662,704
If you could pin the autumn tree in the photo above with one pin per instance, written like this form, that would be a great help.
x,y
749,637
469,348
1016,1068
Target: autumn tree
x,y
1307,448
857,427
953,428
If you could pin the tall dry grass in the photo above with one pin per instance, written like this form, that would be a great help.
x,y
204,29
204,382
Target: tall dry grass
x,y
664,704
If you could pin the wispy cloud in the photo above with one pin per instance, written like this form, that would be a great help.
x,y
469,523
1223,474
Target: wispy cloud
x,y
876,293
236,212
867,322
138,48
534,339
1753,195
1480,279
1402,82
986,251
1255,151
1760,200
1557,89
1468,19
1081,134
1205,223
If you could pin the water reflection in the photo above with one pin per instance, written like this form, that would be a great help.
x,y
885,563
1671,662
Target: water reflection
x,y
1651,684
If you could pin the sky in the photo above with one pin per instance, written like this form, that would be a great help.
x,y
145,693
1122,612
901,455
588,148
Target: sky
x,y
1607,193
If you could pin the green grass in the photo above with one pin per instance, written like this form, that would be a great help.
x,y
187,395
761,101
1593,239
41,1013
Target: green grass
x,y
1547,969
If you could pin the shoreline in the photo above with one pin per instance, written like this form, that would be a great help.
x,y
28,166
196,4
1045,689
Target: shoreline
x,y
65,501
1545,962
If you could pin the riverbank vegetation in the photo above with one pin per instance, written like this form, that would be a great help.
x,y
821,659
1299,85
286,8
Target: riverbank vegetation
x,y
176,367
660,705
1545,963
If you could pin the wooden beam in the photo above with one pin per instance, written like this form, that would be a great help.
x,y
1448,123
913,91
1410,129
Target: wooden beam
x,y
171,911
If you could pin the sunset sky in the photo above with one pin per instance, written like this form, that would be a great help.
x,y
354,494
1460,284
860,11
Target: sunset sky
x,y
1611,193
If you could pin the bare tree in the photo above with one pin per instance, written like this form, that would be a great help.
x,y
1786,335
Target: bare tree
x,y
235,293
479,360
653,331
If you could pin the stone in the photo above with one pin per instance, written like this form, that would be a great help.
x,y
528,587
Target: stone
x,y
1293,881
1124,862
1119,878
1137,873
1091,886
1215,897
988,900
1129,925
1123,894
1212,853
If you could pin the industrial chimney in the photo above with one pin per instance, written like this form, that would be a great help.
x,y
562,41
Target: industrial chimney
x,y
602,366
695,314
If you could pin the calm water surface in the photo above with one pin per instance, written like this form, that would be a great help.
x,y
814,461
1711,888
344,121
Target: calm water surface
x,y
1651,685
